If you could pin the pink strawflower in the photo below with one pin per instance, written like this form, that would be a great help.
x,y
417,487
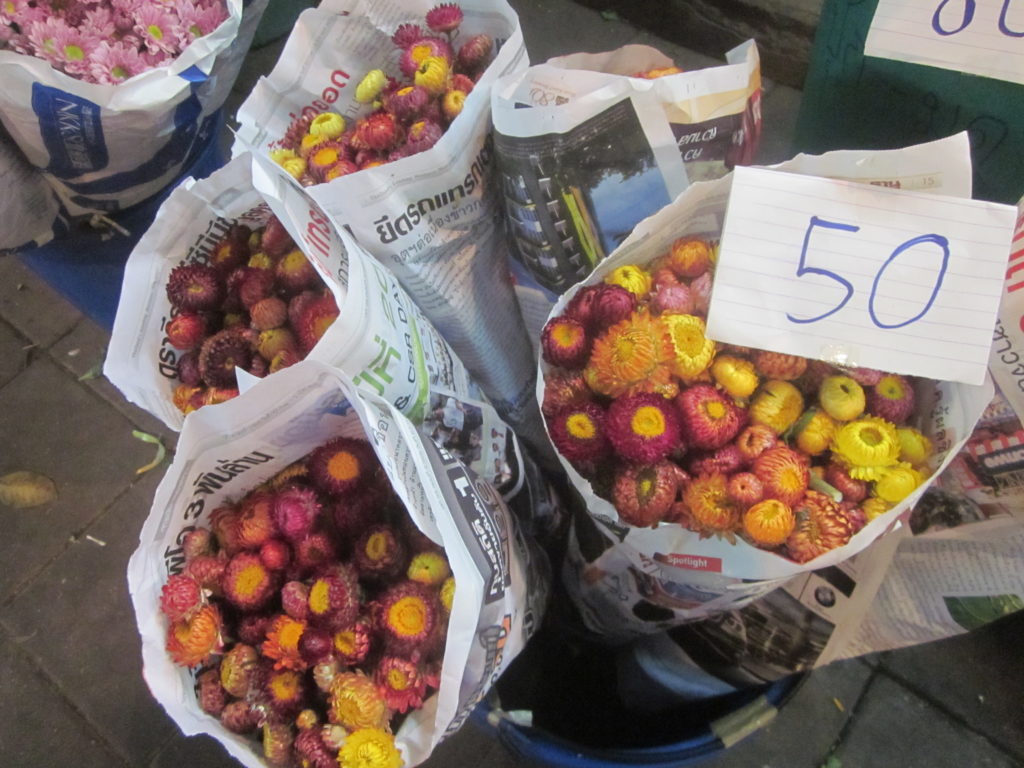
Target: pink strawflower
x,y
155,26
404,36
422,135
113,63
445,17
423,48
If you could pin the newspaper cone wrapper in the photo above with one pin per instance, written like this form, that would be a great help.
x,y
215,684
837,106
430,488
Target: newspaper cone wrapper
x,y
28,207
613,567
226,450
107,147
431,218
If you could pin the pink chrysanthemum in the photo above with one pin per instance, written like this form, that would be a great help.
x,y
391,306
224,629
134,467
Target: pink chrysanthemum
x,y
445,17
198,21
156,27
99,22
19,12
71,51
42,36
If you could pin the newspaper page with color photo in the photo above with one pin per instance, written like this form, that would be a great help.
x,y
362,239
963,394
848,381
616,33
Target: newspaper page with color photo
x,y
590,144
630,580
247,454
430,216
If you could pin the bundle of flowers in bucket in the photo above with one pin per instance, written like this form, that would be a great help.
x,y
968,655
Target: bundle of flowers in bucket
x,y
337,591
112,100
380,114
713,472
229,286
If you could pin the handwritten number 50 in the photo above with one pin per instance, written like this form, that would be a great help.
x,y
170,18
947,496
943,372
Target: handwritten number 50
x,y
802,269
968,17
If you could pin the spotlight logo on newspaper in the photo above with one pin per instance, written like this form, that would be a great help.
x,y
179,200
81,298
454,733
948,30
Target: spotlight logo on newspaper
x,y
893,279
692,562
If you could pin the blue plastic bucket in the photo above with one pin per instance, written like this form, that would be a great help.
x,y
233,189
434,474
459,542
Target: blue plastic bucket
x,y
560,707
695,743
86,264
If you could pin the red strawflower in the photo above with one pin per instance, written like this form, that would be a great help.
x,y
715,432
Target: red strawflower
x,y
709,418
565,343
579,434
643,495
180,597
474,53
186,330
401,683
643,428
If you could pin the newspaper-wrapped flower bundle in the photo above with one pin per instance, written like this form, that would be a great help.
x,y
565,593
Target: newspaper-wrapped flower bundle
x,y
257,304
788,454
408,116
109,41
315,643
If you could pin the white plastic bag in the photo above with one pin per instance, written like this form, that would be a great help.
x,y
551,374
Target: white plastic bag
x,y
106,147
225,451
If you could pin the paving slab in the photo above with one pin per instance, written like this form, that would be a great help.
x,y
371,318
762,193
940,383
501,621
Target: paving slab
x,y
978,677
780,106
81,601
80,352
473,745
547,23
807,726
65,432
15,353
893,727
198,751
37,726
34,308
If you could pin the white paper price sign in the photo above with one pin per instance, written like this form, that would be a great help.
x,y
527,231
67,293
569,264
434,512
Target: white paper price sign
x,y
979,37
901,281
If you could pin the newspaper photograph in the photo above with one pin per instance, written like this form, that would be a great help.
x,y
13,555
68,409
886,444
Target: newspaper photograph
x,y
587,148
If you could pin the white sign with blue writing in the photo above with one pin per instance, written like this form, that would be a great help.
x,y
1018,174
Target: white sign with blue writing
x,y
902,281
979,37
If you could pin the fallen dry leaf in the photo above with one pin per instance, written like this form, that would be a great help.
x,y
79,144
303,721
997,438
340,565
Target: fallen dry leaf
x,y
24,489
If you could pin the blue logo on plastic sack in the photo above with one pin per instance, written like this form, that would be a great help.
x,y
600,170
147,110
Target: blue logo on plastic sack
x,y
72,131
